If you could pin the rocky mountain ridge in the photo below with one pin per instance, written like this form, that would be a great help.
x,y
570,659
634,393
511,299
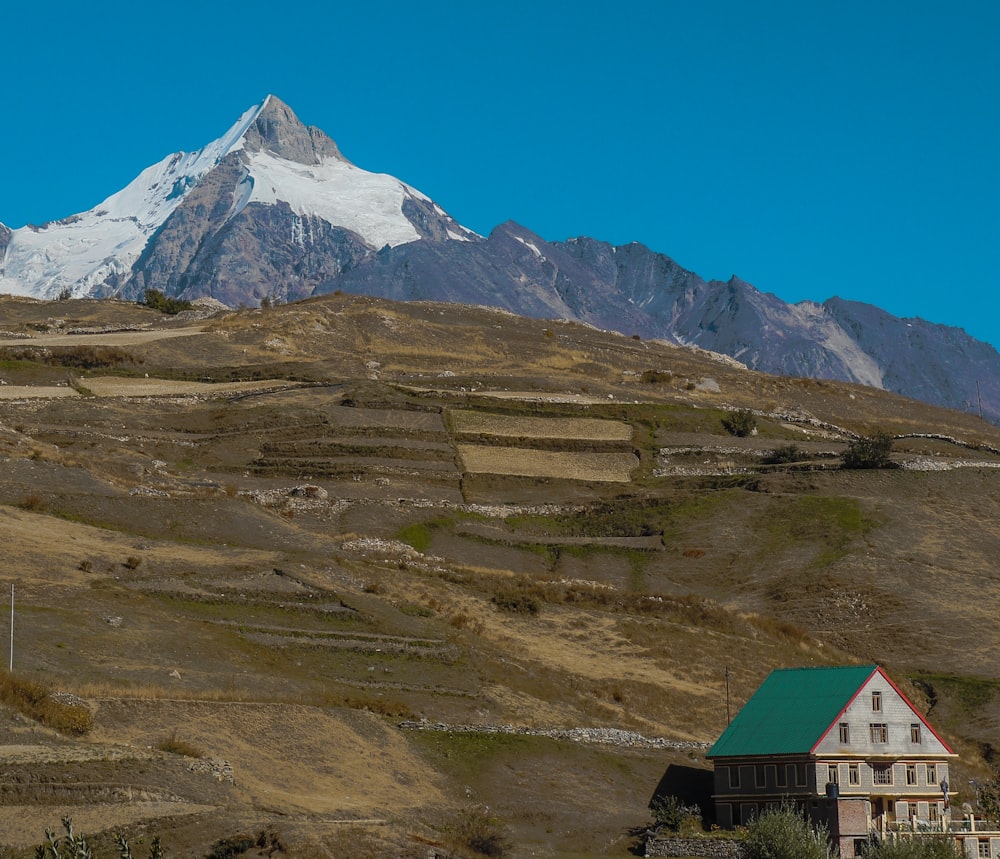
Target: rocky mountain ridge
x,y
272,210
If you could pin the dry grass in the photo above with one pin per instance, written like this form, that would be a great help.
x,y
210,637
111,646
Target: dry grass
x,y
35,700
512,426
525,462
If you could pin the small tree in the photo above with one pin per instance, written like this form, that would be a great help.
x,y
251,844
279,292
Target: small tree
x,y
783,833
988,796
869,451
740,423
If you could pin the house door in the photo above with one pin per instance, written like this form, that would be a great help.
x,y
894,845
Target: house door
x,y
878,813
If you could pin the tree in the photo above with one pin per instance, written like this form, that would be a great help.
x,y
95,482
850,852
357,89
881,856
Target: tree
x,y
158,301
783,833
869,451
740,423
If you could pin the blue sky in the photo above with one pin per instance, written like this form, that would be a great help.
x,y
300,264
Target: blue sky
x,y
812,148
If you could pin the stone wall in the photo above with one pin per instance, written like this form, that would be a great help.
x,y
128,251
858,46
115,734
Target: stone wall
x,y
713,848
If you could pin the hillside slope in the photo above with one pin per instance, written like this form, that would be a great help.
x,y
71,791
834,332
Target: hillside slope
x,y
294,536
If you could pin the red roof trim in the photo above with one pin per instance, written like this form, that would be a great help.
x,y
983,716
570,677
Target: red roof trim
x,y
843,709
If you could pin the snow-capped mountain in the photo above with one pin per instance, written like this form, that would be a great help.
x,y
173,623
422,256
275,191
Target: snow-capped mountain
x,y
273,209
194,220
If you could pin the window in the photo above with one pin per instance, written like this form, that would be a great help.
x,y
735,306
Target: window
x,y
915,734
734,778
911,773
800,775
853,774
911,810
879,732
881,773
782,776
984,848
931,773
758,776
845,733
933,812
876,702
833,774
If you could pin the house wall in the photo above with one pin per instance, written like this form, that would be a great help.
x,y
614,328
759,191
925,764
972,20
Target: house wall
x,y
895,713
926,789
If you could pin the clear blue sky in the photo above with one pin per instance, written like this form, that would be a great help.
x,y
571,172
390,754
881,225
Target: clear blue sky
x,y
813,148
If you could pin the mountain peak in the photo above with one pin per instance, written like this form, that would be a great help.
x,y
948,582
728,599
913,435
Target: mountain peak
x,y
276,129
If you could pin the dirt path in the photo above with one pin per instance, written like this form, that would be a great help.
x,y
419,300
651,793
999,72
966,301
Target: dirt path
x,y
112,338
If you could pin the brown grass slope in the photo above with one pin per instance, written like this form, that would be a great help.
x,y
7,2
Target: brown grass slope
x,y
452,514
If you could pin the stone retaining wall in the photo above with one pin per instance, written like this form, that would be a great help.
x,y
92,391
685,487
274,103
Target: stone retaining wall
x,y
605,736
713,848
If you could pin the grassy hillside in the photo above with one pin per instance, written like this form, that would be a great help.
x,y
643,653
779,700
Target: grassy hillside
x,y
252,546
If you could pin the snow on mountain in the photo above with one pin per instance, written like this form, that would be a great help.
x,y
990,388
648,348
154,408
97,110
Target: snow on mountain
x,y
80,252
369,204
282,162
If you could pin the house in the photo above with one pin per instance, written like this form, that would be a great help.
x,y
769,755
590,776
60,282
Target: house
x,y
844,744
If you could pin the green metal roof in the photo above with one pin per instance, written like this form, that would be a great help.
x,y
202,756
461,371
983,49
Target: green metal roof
x,y
791,711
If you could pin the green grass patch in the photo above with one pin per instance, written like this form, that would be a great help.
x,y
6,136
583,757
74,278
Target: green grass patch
x,y
829,524
970,694
625,516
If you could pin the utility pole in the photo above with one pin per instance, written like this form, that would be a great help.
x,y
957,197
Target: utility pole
x,y
11,667
980,395
728,718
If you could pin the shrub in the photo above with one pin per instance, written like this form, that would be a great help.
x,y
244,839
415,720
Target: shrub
x,y
783,833
670,812
870,451
225,848
477,830
740,423
784,454
925,847
656,377
32,502
179,747
131,562
515,601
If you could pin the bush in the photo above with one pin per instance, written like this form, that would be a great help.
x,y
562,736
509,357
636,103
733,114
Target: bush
x,y
784,454
175,746
670,812
870,451
783,833
924,847
740,423
516,601
479,831
158,301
